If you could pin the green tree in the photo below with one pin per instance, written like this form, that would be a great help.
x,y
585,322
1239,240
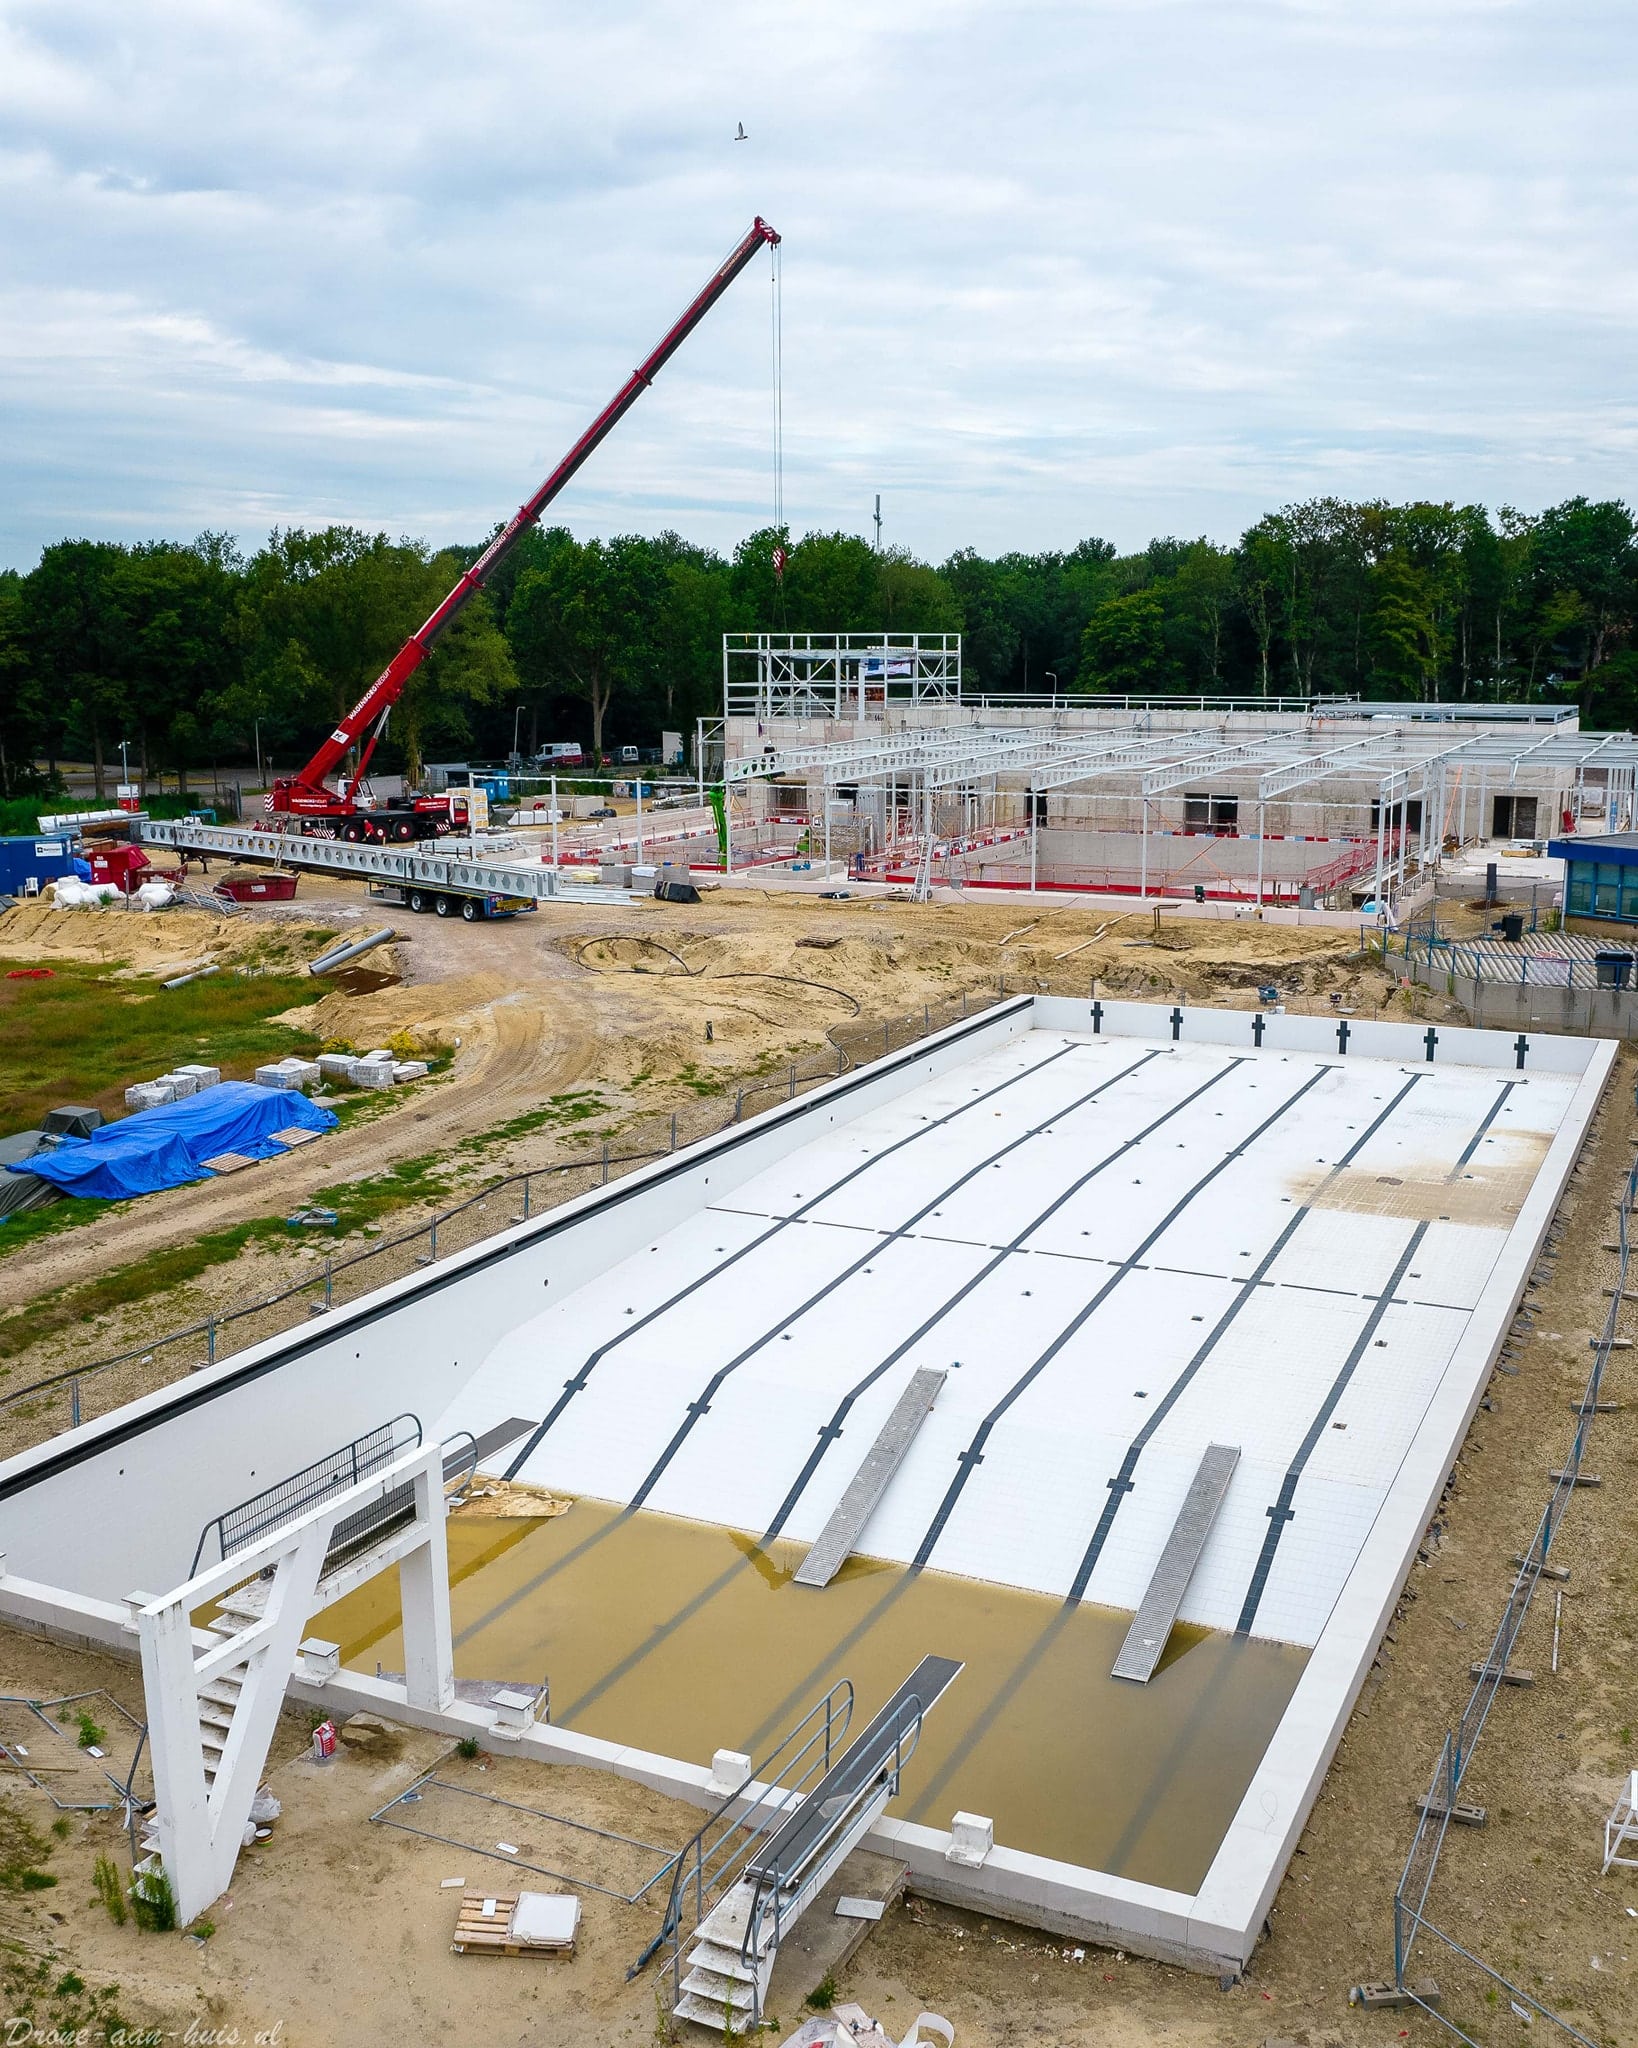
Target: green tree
x,y
587,622
1123,646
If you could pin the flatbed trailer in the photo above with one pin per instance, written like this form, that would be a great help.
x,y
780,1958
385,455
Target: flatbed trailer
x,y
446,884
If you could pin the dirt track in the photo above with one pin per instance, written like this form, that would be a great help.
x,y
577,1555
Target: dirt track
x,y
619,1002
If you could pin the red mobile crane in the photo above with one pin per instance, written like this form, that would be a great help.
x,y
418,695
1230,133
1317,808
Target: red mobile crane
x,y
335,810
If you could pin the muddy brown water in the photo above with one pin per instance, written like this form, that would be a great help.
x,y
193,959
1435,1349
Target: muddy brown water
x,y
685,1638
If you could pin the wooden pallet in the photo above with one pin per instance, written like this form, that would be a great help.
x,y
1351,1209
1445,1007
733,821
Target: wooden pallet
x,y
480,1933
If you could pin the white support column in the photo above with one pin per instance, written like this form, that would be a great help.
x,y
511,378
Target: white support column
x,y
423,1591
1034,835
554,830
639,814
1259,853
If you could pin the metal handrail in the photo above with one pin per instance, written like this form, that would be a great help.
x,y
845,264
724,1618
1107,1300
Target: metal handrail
x,y
970,1003
777,1885
707,1865
237,1528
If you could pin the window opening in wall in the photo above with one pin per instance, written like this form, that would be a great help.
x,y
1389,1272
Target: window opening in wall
x,y
1412,811
1203,812
1513,817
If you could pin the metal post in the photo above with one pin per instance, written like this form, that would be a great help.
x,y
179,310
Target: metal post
x,y
1143,855
605,1162
74,1402
790,1092
1381,815
673,1130
727,813
826,795
326,1279
432,1238
639,814
210,1340
526,1198
1034,836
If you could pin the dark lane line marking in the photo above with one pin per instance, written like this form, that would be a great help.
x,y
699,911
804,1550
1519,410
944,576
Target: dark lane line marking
x,y
577,1384
833,1428
973,1456
1123,1482
551,1571
700,1407
1281,1511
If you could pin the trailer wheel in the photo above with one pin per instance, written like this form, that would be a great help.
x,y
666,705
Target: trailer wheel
x,y
471,909
443,905
419,900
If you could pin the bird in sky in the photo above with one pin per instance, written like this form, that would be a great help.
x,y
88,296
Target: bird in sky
x,y
742,136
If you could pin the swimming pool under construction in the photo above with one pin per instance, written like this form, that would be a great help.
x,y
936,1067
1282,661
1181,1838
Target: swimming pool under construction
x,y
1072,1313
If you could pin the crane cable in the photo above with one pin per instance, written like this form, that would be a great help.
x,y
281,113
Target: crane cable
x,y
778,341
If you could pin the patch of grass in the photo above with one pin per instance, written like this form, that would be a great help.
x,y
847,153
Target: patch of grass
x,y
111,1888
31,1225
697,1082
557,1112
381,1194
56,2006
467,1746
126,1284
91,1736
22,1850
84,1037
153,1902
823,1995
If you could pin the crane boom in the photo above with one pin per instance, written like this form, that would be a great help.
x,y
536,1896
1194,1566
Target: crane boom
x,y
307,794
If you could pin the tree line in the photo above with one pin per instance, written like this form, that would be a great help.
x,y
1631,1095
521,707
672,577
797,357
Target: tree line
x,y
198,655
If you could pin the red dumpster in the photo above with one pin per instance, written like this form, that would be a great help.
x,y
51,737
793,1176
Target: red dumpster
x,y
275,888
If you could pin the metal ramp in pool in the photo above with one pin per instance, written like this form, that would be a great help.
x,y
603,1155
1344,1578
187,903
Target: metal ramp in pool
x,y
1152,1625
836,1540
775,1856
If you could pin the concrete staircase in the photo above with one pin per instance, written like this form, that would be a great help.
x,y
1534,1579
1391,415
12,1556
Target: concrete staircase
x,y
721,1990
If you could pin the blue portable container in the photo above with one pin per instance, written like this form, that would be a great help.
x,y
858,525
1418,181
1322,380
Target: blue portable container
x,y
29,861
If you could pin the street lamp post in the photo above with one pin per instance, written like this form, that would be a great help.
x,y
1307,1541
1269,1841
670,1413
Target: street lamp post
x,y
517,758
257,723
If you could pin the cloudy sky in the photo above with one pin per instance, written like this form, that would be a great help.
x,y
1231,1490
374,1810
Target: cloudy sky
x,y
1089,266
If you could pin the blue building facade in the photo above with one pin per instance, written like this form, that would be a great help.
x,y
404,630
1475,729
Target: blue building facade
x,y
1600,876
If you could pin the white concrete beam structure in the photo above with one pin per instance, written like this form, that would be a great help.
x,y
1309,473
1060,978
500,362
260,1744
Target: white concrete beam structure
x,y
213,1703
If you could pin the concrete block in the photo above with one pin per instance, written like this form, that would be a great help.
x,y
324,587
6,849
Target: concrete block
x,y
513,1710
148,1095
409,1070
203,1076
729,1771
276,1077
306,1072
373,1071
181,1085
972,1838
337,1066
320,1660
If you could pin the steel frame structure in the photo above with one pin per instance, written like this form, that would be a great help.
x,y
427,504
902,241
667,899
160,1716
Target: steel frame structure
x,y
1398,763
836,675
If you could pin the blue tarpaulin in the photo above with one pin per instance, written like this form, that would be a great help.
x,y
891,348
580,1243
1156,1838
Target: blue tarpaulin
x,y
164,1147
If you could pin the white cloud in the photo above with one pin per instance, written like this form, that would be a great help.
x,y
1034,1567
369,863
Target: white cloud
x,y
1115,266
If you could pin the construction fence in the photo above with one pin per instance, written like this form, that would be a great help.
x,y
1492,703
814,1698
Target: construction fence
x,y
62,1400
1537,981
1470,1991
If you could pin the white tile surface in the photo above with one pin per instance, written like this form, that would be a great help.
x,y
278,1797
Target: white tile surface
x,y
979,1243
